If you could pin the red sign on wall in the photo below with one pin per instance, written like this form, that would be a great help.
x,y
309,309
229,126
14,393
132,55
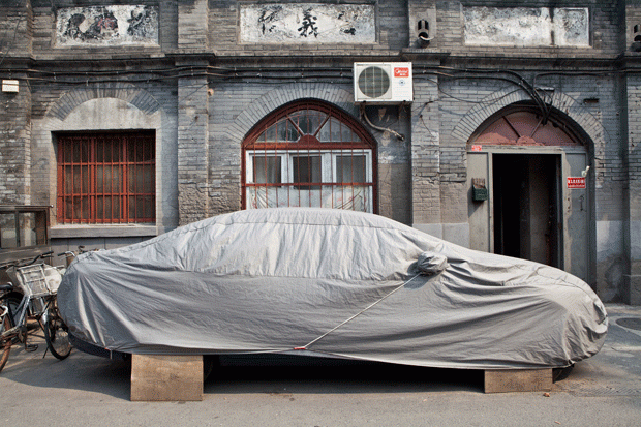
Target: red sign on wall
x,y
576,182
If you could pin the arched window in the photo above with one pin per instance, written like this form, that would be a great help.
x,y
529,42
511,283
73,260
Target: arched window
x,y
309,154
522,125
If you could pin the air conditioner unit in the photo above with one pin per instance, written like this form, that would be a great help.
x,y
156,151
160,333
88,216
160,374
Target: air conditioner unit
x,y
383,82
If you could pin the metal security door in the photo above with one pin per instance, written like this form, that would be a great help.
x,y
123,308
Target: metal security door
x,y
575,215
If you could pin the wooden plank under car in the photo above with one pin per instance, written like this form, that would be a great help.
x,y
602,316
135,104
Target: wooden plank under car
x,y
518,380
166,378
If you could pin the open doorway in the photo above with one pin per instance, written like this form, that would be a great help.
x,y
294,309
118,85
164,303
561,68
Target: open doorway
x,y
527,213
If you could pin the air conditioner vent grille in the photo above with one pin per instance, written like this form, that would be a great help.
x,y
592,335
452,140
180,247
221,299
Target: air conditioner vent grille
x,y
374,81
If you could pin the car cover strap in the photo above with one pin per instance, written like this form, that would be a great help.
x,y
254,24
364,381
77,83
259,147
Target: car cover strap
x,y
349,319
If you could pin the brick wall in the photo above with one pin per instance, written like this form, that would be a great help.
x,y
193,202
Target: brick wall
x,y
209,90
15,146
15,127
631,289
235,109
193,25
16,28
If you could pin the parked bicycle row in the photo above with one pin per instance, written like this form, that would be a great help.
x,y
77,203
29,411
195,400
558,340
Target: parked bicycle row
x,y
28,302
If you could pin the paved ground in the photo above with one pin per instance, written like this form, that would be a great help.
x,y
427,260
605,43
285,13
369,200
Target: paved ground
x,y
85,390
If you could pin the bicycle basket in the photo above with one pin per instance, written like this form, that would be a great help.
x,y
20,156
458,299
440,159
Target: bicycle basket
x,y
33,281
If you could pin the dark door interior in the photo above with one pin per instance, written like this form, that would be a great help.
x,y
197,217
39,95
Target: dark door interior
x,y
527,218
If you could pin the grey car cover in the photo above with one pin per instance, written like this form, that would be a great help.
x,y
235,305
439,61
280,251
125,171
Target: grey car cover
x,y
329,283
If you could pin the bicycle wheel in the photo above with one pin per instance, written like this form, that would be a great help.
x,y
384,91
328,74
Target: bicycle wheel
x,y
56,335
5,345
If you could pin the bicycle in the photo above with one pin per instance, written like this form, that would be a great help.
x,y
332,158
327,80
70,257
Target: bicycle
x,y
39,284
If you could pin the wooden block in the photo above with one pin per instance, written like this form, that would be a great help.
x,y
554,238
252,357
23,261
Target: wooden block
x,y
166,378
518,380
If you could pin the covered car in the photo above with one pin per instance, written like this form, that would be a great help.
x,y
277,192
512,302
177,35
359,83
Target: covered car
x,y
329,283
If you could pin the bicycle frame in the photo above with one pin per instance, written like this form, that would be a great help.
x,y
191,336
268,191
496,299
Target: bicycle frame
x,y
39,284
5,312
23,310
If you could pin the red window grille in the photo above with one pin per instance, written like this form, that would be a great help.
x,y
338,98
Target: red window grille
x,y
106,177
309,154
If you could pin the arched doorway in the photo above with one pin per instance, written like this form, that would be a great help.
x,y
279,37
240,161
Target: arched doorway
x,y
526,162
309,154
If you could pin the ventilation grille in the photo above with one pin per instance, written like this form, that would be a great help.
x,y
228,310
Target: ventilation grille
x,y
374,82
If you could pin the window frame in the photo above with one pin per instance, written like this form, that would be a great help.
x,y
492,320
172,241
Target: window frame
x,y
24,248
123,141
329,165
360,144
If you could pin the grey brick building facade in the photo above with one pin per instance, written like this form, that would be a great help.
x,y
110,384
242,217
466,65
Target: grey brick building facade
x,y
538,104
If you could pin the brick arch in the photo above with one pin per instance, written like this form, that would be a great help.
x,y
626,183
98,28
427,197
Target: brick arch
x,y
276,98
114,106
565,104
137,97
485,109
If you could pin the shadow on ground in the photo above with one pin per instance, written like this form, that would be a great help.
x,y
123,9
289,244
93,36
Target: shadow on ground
x,y
269,374
242,375
78,372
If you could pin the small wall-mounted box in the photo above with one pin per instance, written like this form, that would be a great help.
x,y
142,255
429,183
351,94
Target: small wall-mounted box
x,y
11,86
480,192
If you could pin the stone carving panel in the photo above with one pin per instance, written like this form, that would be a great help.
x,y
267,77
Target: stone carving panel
x,y
107,25
526,26
307,23
571,26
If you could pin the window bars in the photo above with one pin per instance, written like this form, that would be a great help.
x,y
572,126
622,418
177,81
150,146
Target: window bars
x,y
309,155
106,177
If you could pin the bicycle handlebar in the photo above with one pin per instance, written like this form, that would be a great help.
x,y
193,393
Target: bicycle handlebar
x,y
26,262
81,249
42,255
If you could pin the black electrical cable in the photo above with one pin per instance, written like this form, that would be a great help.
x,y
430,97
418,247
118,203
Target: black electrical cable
x,y
273,75
530,89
